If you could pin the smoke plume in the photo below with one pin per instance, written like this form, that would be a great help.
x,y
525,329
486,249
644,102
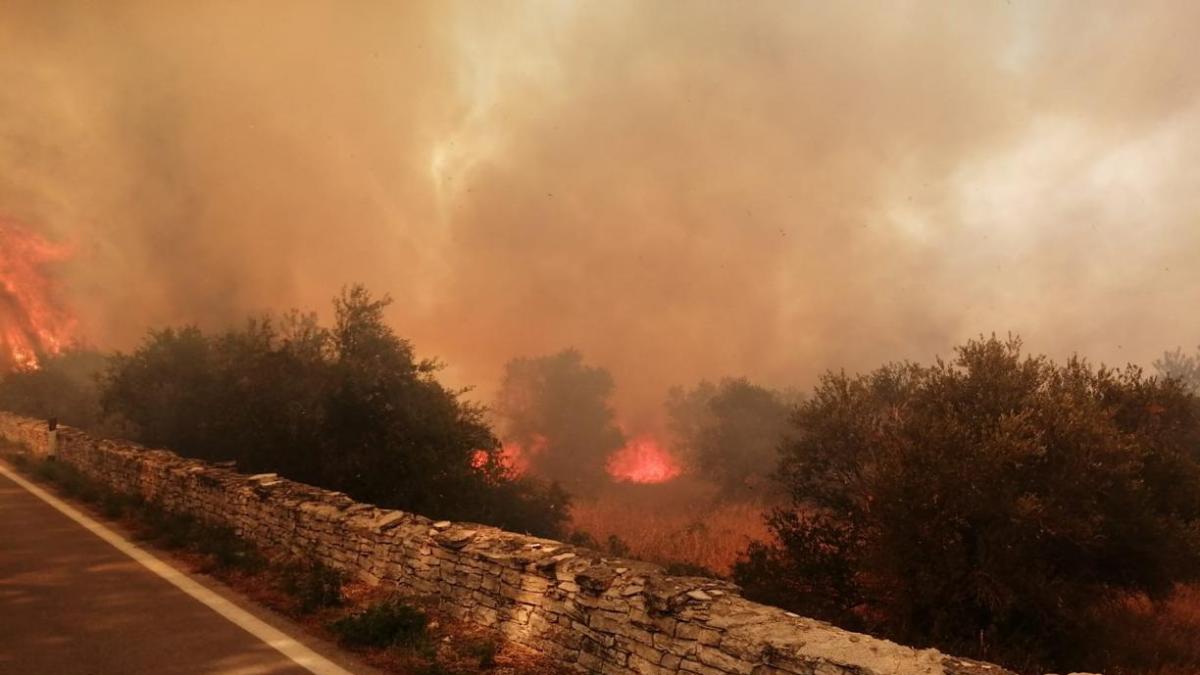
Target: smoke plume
x,y
678,189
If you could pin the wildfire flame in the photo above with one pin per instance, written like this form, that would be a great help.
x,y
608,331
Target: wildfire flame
x,y
31,322
514,457
643,460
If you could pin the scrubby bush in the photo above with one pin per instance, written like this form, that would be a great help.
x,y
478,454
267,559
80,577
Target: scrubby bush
x,y
985,505
390,623
314,585
484,650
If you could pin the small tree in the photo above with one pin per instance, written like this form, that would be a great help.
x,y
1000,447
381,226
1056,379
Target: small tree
x,y
1181,366
731,432
985,505
559,406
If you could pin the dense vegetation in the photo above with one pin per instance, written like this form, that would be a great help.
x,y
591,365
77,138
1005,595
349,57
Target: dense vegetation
x,y
347,407
997,504
66,387
991,505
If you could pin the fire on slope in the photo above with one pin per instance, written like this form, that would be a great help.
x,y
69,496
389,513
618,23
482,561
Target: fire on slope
x,y
643,460
32,322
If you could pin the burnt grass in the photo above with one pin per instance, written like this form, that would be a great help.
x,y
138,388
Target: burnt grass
x,y
393,633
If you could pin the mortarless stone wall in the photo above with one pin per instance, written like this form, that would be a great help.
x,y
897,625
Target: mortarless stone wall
x,y
589,612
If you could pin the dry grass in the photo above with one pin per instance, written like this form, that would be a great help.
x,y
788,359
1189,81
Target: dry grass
x,y
678,522
1154,638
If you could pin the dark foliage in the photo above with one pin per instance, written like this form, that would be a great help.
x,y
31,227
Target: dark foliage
x,y
731,432
348,408
390,623
687,569
986,505
314,585
64,386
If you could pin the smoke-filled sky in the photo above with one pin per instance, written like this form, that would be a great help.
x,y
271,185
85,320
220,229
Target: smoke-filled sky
x,y
679,189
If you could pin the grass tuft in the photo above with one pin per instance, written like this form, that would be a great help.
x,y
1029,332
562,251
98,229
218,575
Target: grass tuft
x,y
314,585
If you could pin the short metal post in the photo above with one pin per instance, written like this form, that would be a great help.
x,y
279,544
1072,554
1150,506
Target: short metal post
x,y
52,437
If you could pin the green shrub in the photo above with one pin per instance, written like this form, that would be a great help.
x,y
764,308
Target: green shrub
x,y
314,585
68,479
116,504
229,551
166,529
390,623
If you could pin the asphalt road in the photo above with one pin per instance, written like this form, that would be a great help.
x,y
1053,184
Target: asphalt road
x,y
73,604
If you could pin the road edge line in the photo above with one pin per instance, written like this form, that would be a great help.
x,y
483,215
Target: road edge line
x,y
268,634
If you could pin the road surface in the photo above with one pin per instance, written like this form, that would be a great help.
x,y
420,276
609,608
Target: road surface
x,y
73,603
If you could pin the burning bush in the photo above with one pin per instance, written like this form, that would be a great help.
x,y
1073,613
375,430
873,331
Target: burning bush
x,y
555,409
986,505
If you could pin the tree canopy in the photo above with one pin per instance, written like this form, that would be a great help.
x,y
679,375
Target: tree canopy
x,y
557,408
730,432
986,504
348,407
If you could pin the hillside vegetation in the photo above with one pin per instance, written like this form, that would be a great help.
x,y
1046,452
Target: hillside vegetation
x,y
1042,515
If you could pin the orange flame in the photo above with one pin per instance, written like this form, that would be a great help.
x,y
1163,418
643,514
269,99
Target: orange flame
x,y
643,460
513,456
31,322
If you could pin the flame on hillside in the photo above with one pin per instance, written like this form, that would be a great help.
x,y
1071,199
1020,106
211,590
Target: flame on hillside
x,y
513,456
643,460
32,323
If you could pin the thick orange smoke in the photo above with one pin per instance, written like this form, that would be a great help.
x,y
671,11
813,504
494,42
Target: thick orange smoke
x,y
32,323
679,190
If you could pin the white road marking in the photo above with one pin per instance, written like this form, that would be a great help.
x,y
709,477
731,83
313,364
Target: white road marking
x,y
303,656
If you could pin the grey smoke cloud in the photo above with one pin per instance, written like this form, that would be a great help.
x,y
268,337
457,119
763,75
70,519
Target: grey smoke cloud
x,y
679,189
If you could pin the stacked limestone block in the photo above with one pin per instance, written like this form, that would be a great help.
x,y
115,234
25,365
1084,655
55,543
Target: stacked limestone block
x,y
591,613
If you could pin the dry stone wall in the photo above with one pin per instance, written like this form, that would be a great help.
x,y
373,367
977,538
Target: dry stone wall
x,y
590,612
